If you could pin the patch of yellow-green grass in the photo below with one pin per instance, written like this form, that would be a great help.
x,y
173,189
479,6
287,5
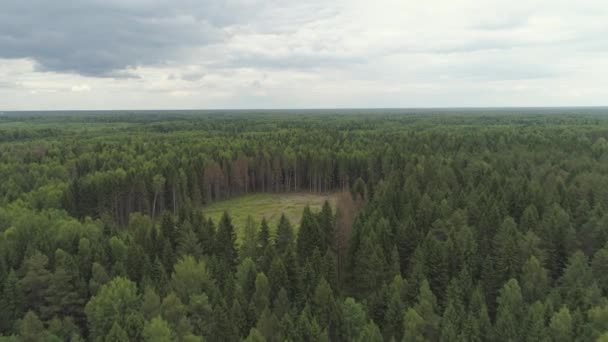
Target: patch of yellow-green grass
x,y
267,205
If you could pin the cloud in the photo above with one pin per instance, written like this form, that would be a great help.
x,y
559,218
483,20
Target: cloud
x,y
284,53
99,38
81,88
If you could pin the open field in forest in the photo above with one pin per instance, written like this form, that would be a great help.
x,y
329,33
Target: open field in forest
x,y
268,205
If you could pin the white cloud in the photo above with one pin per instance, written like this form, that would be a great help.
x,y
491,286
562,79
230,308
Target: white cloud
x,y
345,53
81,88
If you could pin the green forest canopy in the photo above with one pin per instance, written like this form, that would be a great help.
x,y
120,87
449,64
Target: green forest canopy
x,y
451,226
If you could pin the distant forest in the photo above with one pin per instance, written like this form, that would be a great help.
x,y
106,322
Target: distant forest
x,y
448,226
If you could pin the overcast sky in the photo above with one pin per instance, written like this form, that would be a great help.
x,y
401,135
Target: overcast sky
x,y
156,54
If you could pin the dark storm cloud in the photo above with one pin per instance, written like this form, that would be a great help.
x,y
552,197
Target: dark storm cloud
x,y
100,38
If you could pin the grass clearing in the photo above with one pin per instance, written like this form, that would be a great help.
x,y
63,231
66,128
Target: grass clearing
x,y
269,206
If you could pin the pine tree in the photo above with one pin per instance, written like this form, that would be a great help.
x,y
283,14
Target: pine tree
x,y
277,276
369,270
354,318
158,275
478,324
150,306
407,239
116,334
393,317
426,307
530,219
370,333
507,250
63,296
35,282
245,275
255,336
268,325
281,305
31,329
239,317
260,299
173,310
436,265
510,312
576,282
136,262
598,320
534,281
450,327
324,307
249,242
11,302
201,315
557,236
413,327
284,236
327,226
169,229
99,277
223,328
309,236
263,237
206,236
561,326
600,268
330,272
293,273
534,325
226,242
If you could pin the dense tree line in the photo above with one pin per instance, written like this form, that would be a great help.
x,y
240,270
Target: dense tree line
x,y
446,228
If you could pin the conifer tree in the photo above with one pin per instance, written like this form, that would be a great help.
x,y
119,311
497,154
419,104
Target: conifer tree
x,y
261,299
561,326
510,312
284,237
225,241
309,236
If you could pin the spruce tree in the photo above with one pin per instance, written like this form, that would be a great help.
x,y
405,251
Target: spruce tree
x,y
309,236
225,241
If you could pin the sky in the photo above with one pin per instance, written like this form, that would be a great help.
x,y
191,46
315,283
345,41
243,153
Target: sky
x,y
208,54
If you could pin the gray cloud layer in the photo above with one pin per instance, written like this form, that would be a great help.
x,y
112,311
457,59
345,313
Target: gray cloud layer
x,y
282,53
103,37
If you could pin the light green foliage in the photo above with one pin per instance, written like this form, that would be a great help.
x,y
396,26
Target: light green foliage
x,y
510,312
255,336
190,277
534,280
150,305
116,334
260,298
561,325
157,330
370,333
414,327
31,329
111,306
353,317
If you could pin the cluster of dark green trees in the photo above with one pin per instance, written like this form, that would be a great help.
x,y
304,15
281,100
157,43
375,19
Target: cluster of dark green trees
x,y
446,228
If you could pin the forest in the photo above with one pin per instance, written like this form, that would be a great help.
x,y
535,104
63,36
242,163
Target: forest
x,y
480,225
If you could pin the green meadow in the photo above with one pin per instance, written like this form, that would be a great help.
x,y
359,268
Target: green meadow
x,y
269,206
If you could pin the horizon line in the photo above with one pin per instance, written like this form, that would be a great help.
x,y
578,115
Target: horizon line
x,y
309,108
